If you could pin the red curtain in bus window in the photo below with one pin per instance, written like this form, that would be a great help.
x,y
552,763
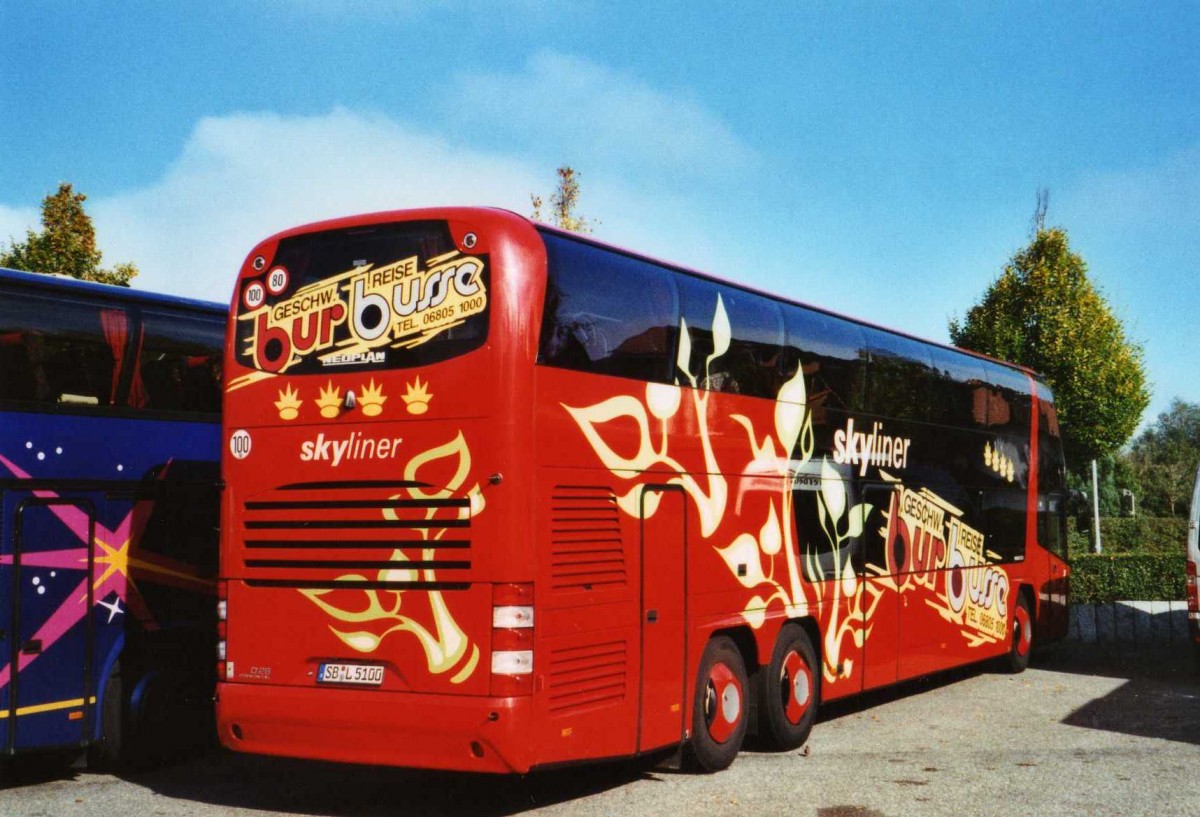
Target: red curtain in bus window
x,y
115,324
116,331
137,389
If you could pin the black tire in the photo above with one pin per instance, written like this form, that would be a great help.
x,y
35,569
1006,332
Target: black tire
x,y
719,712
1020,637
789,690
107,753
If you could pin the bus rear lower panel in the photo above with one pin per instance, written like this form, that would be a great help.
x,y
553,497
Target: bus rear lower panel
x,y
461,733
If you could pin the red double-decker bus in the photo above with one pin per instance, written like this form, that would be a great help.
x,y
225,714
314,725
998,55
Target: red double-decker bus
x,y
500,496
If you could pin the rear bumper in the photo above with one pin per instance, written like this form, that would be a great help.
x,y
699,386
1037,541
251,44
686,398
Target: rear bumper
x,y
463,733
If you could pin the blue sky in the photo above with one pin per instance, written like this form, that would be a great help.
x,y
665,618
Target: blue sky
x,y
881,159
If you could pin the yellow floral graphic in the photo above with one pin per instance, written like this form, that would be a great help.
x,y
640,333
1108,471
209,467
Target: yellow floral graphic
x,y
761,555
446,646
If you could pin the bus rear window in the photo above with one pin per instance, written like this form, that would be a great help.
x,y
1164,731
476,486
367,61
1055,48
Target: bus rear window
x,y
377,297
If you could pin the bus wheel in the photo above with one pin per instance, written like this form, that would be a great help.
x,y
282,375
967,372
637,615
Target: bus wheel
x,y
1021,637
789,691
719,713
106,754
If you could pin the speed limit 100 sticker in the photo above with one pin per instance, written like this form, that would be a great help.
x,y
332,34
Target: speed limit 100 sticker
x,y
239,444
254,295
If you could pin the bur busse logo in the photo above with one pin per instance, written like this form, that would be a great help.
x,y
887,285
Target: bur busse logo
x,y
352,316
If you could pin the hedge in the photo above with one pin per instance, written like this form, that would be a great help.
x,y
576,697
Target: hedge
x,y
1101,578
1139,534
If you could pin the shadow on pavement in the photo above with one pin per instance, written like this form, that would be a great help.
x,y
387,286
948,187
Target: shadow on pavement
x,y
35,769
833,710
1160,698
309,787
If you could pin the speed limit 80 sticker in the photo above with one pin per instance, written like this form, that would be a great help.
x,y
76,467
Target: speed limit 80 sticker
x,y
239,444
277,280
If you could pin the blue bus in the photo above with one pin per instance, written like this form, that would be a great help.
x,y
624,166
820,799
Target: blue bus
x,y
109,488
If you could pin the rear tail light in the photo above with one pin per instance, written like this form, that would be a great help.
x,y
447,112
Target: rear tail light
x,y
222,629
512,617
512,640
512,662
1193,592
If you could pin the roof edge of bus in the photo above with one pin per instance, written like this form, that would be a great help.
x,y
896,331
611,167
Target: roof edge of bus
x,y
586,239
56,281
463,211
379,216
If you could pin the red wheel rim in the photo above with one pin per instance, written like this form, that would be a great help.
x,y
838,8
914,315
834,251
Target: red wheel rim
x,y
1022,634
795,686
722,703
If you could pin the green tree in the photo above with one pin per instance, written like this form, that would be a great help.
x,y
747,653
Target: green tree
x,y
563,202
1115,474
1044,312
66,244
1164,457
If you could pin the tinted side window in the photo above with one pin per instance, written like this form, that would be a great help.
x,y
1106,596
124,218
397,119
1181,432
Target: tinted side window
x,y
1052,518
831,351
828,537
1051,462
1004,524
179,365
745,328
956,387
755,358
882,550
1009,402
898,377
607,313
57,351
1052,523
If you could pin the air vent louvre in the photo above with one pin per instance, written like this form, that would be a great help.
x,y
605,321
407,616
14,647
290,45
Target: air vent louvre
x,y
314,535
586,548
587,676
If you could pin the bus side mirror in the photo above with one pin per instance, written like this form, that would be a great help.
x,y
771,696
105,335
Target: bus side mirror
x,y
1077,506
1077,502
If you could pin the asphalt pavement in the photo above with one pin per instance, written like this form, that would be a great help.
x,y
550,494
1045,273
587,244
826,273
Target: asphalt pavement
x,y
1085,731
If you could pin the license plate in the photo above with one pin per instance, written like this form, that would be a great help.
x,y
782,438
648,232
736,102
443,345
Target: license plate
x,y
363,674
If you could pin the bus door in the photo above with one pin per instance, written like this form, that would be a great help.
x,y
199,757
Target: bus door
x,y
50,639
880,589
663,708
7,607
830,531
1052,535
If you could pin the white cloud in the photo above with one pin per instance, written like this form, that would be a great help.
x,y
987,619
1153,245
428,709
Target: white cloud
x,y
15,222
241,178
591,114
